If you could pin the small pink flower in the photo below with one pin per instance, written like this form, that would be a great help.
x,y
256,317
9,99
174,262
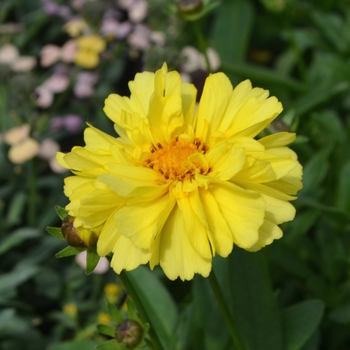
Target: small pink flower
x,y
72,123
50,54
84,87
57,83
139,39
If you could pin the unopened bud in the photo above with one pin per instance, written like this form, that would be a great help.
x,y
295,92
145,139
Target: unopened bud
x,y
129,333
70,233
189,6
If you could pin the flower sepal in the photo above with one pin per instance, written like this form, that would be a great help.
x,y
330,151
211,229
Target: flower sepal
x,y
76,245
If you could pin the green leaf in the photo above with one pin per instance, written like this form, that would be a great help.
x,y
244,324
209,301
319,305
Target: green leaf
x,y
55,231
74,345
261,74
69,251
115,313
157,302
253,303
197,15
111,345
17,237
300,321
315,171
16,208
343,198
235,20
92,259
20,274
61,212
106,330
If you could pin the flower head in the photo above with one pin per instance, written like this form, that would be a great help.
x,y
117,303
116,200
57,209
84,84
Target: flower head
x,y
89,48
179,186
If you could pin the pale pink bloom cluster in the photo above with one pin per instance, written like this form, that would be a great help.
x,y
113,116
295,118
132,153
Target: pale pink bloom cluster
x,y
71,122
9,55
23,147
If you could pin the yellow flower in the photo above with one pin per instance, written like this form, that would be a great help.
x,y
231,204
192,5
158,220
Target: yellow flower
x,y
70,309
75,27
112,292
178,186
104,318
89,48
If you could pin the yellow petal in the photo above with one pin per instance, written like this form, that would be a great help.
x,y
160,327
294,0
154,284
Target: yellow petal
x,y
97,139
249,111
225,160
108,236
142,88
216,95
174,252
243,211
127,256
221,236
197,231
188,94
268,232
142,219
278,211
277,140
126,180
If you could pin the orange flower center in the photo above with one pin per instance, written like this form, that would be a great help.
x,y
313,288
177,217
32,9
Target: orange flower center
x,y
173,161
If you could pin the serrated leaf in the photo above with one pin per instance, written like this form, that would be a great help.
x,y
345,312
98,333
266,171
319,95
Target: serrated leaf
x,y
115,313
55,231
61,212
92,259
300,321
69,251
106,330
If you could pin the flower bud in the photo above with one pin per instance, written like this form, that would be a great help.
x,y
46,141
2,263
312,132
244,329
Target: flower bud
x,y
70,233
79,236
189,6
129,333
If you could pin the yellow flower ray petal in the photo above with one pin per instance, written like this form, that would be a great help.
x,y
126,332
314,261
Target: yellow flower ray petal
x,y
243,211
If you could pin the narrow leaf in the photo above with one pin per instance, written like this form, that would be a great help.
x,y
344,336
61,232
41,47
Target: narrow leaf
x,y
17,237
115,313
157,302
300,321
111,345
55,231
92,259
69,251
61,212
106,330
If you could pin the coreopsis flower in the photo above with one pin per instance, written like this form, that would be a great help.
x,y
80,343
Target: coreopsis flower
x,y
179,186
89,49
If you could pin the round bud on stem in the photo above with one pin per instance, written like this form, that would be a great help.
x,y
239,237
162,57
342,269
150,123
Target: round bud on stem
x,y
189,6
129,333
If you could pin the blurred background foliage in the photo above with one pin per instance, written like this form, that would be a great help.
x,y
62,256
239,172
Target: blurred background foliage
x,y
295,294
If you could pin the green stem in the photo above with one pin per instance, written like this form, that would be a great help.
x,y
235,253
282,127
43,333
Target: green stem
x,y
232,328
140,308
31,213
202,44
